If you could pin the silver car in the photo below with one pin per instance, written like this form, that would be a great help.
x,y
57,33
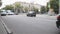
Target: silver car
x,y
4,13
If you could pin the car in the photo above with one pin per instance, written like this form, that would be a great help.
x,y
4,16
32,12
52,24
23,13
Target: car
x,y
3,13
31,13
58,21
8,12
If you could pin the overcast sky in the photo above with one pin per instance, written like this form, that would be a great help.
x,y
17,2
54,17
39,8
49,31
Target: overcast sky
x,y
7,2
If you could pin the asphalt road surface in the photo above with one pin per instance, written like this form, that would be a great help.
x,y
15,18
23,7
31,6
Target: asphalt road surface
x,y
21,24
2,29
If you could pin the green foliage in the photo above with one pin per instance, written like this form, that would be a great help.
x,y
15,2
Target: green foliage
x,y
48,6
18,5
35,9
8,7
55,5
26,9
43,9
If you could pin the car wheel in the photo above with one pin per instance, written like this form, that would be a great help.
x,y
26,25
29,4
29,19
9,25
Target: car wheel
x,y
30,15
34,15
27,15
3,14
57,24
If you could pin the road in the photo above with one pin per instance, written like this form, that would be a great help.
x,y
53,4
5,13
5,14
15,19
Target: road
x,y
21,24
2,29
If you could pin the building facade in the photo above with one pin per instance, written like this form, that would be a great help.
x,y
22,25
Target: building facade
x,y
29,6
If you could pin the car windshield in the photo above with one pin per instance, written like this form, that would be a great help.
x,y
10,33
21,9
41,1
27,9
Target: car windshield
x,y
8,11
3,12
30,12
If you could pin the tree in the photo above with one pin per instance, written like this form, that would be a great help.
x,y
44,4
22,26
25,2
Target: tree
x,y
35,9
18,7
55,5
43,9
8,7
26,9
48,6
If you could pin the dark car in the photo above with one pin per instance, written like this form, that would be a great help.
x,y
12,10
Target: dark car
x,y
31,13
58,21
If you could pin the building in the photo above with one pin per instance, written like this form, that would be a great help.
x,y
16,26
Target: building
x,y
29,6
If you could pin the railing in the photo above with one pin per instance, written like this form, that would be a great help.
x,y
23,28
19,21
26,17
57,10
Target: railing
x,y
6,28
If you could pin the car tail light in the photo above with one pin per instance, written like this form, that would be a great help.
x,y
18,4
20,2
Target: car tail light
x,y
58,18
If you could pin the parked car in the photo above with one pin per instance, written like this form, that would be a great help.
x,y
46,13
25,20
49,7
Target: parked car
x,y
31,13
4,13
58,21
9,12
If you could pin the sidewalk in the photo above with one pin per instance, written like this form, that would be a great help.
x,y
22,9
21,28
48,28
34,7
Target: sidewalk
x,y
47,16
42,15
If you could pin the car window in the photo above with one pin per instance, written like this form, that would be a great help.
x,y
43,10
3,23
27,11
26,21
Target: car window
x,y
3,12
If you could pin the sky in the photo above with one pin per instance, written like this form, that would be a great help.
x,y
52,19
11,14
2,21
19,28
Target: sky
x,y
8,2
